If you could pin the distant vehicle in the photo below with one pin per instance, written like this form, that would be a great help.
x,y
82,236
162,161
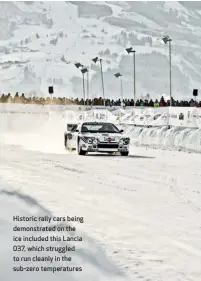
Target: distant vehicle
x,y
100,137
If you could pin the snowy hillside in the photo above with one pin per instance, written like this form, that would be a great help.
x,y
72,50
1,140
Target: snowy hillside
x,y
41,41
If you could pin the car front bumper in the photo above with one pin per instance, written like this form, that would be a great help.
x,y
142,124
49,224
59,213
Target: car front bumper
x,y
98,148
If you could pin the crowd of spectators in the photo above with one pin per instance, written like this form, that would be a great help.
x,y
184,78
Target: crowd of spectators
x,y
157,103
97,101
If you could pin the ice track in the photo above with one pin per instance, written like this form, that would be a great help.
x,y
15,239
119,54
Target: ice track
x,y
145,209
88,254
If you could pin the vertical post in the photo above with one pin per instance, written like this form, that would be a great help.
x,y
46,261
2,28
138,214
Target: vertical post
x,y
121,87
87,87
134,78
83,87
170,65
102,81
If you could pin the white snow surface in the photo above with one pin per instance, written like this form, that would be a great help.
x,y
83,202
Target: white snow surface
x,y
144,210
88,254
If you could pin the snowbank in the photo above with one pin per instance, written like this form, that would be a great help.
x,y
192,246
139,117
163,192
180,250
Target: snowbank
x,y
185,139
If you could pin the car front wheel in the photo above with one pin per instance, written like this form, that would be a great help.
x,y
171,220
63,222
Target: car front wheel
x,y
124,153
65,140
79,149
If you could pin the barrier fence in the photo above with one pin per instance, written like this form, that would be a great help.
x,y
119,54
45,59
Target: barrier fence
x,y
162,116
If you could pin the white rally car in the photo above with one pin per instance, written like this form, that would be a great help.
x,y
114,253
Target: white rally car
x,y
102,137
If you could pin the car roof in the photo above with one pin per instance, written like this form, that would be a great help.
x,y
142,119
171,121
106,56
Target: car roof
x,y
89,123
96,122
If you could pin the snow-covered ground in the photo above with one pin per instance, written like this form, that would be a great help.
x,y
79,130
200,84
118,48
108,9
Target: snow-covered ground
x,y
88,254
144,210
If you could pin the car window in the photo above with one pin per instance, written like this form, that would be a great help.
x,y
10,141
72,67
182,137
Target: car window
x,y
97,127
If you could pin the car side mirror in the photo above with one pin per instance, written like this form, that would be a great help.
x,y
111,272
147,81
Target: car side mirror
x,y
77,131
121,131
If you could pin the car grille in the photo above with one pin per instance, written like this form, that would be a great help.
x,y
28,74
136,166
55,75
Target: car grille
x,y
108,145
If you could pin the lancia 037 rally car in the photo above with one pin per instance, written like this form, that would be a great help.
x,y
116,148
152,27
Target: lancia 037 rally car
x,y
103,137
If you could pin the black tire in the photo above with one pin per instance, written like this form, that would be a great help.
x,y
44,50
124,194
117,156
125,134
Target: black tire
x,y
65,140
80,151
124,153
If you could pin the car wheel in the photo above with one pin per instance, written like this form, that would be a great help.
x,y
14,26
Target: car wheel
x,y
124,153
79,149
65,140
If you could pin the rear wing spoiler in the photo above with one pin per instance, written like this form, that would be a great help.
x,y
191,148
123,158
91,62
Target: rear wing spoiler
x,y
70,126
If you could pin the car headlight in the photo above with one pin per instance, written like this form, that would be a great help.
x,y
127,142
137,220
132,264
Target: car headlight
x,y
92,140
121,142
95,141
126,141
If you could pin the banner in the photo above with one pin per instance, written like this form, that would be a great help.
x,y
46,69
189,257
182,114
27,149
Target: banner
x,y
147,116
185,117
173,116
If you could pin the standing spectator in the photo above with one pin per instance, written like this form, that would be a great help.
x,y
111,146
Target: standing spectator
x,y
156,103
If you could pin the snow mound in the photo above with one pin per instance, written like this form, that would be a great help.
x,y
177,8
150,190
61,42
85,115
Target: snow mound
x,y
186,139
96,266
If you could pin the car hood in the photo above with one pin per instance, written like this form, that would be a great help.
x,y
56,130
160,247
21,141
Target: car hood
x,y
106,137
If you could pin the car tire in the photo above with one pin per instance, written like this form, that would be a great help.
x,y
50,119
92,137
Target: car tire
x,y
79,150
124,153
65,140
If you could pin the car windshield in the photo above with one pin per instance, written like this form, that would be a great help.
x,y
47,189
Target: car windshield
x,y
99,128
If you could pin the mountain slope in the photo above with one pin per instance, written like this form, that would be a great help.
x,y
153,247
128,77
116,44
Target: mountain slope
x,y
42,40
